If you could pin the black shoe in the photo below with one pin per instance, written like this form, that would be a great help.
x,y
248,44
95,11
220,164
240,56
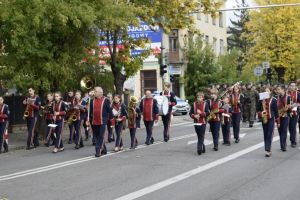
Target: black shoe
x,y
94,143
216,148
283,149
250,125
70,142
97,155
268,154
237,140
147,143
5,147
29,148
81,145
77,146
36,145
226,144
203,149
166,139
199,152
152,140
293,145
104,152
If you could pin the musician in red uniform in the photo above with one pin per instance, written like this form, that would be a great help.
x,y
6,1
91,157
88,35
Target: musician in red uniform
x,y
4,114
226,121
59,113
134,116
70,101
214,116
32,103
99,113
120,115
80,106
199,111
295,101
49,119
167,118
236,102
284,107
149,110
110,134
268,113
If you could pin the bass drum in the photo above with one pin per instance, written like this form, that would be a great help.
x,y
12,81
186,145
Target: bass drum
x,y
163,104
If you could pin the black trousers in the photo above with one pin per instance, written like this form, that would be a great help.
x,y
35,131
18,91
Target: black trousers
x,y
200,131
99,132
149,127
32,136
166,121
268,129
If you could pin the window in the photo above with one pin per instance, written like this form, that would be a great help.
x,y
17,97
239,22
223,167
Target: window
x,y
206,38
148,81
206,18
214,21
199,16
220,19
221,46
173,40
215,45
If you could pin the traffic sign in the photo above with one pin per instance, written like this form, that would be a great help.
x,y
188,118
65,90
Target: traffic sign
x,y
258,71
266,65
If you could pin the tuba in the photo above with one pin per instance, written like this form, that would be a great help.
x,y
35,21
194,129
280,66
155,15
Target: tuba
x,y
87,83
131,110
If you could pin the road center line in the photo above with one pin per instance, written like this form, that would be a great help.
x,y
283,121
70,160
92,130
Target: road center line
x,y
80,160
193,172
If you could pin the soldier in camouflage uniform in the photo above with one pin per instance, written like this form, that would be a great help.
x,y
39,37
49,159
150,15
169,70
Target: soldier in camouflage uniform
x,y
250,97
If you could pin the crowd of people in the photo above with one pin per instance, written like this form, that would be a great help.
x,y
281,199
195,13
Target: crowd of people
x,y
94,115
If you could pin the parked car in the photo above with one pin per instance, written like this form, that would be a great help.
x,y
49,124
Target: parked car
x,y
182,107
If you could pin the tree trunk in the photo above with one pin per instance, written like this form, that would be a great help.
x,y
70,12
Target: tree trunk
x,y
280,74
119,80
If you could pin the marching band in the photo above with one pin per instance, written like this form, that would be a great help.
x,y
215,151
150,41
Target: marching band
x,y
98,115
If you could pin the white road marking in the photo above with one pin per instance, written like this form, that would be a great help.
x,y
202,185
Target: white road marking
x,y
80,160
193,172
208,142
181,124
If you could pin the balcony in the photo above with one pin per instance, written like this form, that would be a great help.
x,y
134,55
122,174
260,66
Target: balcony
x,y
174,57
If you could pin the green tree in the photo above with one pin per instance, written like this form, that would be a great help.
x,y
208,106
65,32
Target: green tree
x,y
235,31
201,68
44,42
275,33
226,64
123,13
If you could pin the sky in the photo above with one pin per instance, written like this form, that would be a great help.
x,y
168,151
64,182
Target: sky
x,y
232,4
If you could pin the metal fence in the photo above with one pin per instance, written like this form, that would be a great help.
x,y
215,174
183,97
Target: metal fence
x,y
16,108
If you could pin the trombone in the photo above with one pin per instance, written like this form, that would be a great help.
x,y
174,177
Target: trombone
x,y
86,84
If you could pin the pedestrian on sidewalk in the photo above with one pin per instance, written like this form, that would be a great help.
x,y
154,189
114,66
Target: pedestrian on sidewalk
x,y
4,114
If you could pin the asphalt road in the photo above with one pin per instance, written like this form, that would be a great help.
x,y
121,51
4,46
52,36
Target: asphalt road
x,y
161,171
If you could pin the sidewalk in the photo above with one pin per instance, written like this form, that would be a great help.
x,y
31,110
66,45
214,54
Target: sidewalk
x,y
17,139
